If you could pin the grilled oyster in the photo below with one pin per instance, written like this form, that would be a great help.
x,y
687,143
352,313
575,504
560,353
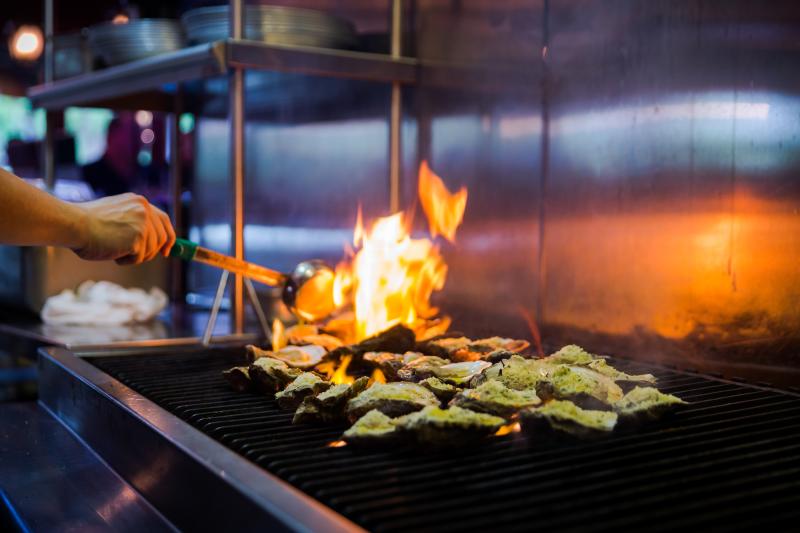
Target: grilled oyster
x,y
372,428
460,373
397,339
443,391
239,378
601,366
451,426
495,398
644,403
421,368
392,399
300,335
390,363
571,355
567,417
271,375
303,357
329,406
306,384
463,349
443,347
580,385
517,373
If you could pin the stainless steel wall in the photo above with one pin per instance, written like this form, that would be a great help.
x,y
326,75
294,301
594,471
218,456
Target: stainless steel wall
x,y
631,170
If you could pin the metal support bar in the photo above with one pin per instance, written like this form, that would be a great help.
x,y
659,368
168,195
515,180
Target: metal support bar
x,y
396,111
262,317
212,318
176,191
48,164
236,120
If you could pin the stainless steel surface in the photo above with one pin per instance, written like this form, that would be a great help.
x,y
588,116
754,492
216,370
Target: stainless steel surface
x,y
171,460
55,483
212,317
237,159
257,309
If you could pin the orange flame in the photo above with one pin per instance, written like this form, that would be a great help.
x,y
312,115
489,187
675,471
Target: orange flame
x,y
391,277
508,429
444,209
278,335
337,444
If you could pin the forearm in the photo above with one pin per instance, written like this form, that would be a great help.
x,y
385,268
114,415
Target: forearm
x,y
31,217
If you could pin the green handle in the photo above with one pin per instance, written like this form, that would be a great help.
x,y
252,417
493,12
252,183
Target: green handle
x,y
184,249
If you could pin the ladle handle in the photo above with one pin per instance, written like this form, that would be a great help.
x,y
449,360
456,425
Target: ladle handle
x,y
191,251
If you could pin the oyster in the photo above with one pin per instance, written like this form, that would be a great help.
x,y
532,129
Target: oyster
x,y
392,399
271,375
308,334
329,406
397,339
390,363
601,366
567,417
421,368
239,378
443,347
306,384
463,349
372,428
451,426
303,357
517,373
580,385
571,355
443,391
460,373
647,403
495,398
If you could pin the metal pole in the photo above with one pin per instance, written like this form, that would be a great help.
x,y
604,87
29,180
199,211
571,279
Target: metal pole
x,y
176,190
396,112
236,119
48,150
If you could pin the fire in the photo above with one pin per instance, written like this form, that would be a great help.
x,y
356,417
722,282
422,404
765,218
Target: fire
x,y
278,335
337,444
391,276
443,209
508,429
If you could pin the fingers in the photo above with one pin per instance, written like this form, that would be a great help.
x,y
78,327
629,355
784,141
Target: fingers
x,y
160,234
169,231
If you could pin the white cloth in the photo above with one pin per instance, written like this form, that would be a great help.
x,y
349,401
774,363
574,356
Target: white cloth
x,y
103,303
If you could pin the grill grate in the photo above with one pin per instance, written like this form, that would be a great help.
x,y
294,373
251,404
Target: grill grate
x,y
729,461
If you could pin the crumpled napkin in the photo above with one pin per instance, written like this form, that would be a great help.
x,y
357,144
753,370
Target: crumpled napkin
x,y
103,303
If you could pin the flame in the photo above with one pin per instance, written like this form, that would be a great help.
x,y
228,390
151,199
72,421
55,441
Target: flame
x,y
508,429
378,376
278,335
391,276
337,444
534,329
336,372
444,209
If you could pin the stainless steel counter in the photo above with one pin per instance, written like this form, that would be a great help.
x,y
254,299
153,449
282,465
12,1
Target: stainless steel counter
x,y
53,481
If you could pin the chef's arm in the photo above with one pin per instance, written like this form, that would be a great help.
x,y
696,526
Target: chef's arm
x,y
125,228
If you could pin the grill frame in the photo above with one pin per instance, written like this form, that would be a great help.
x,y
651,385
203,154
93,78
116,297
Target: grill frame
x,y
170,456
351,500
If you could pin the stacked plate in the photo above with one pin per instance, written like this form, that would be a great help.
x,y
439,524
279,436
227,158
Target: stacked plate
x,y
273,25
120,43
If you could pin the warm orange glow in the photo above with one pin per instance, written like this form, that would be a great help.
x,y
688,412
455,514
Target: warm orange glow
x,y
391,276
27,43
120,18
336,372
508,429
337,444
378,376
534,329
278,335
444,209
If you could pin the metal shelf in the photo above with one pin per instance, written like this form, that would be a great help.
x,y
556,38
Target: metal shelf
x,y
148,83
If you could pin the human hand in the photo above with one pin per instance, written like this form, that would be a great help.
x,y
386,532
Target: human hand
x,y
125,228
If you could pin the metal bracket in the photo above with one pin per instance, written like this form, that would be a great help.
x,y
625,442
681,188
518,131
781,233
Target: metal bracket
x,y
215,307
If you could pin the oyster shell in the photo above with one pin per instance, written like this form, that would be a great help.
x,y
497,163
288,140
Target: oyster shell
x,y
239,378
601,366
517,373
329,406
392,399
271,375
390,363
647,403
571,354
565,416
302,357
306,384
580,385
451,426
460,373
496,399
421,368
443,391
372,428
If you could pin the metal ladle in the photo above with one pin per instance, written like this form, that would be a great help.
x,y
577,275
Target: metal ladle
x,y
307,291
